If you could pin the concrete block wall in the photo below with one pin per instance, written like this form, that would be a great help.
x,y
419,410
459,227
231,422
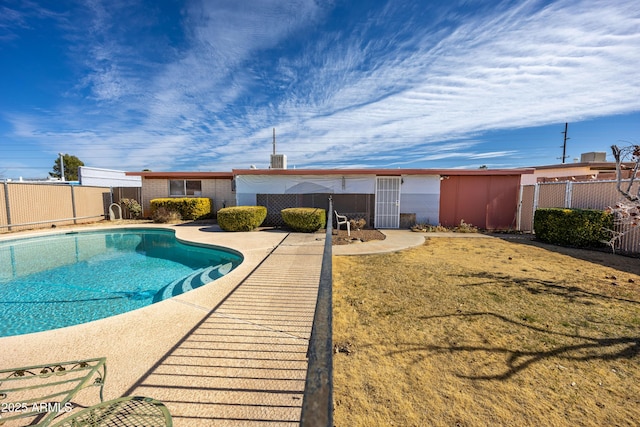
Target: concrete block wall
x,y
153,189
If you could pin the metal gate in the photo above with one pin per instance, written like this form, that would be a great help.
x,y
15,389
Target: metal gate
x,y
387,202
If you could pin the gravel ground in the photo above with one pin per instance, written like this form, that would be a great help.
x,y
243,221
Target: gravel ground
x,y
340,236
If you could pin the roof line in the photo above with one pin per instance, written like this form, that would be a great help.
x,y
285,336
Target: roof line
x,y
377,172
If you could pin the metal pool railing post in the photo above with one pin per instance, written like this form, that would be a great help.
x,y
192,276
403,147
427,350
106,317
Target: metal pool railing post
x,y
8,205
317,403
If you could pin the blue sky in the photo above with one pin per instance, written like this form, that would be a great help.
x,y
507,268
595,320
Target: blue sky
x,y
199,85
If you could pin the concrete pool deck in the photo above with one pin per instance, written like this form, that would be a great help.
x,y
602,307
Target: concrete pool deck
x,y
231,353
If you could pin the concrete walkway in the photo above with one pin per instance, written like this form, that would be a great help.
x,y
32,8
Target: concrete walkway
x,y
245,362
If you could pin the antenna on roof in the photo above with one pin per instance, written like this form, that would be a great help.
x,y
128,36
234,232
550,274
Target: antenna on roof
x,y
274,141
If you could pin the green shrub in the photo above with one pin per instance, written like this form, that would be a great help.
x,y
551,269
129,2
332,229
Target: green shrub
x,y
241,218
572,227
188,207
306,220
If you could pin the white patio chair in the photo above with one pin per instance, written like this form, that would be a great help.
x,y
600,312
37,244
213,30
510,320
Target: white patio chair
x,y
342,219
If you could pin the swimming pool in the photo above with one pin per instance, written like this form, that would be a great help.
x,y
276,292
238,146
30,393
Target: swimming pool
x,y
66,279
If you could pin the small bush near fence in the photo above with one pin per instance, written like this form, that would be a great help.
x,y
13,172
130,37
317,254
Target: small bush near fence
x,y
133,207
189,208
241,218
306,220
573,227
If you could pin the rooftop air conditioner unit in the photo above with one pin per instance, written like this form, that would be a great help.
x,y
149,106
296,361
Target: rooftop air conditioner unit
x,y
278,161
593,156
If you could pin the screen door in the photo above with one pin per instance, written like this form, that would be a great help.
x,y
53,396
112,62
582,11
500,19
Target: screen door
x,y
387,202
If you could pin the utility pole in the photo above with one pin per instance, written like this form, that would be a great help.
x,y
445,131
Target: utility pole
x,y
564,145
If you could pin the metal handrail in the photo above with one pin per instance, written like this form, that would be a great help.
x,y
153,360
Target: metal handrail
x,y
51,221
317,404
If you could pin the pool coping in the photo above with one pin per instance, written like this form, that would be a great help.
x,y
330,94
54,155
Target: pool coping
x,y
134,341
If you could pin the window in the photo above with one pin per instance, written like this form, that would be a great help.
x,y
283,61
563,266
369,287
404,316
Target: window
x,y
182,187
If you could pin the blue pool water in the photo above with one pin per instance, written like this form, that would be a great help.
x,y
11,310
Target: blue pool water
x,y
67,279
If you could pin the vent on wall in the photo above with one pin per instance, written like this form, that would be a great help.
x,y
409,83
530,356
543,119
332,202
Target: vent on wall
x,y
278,161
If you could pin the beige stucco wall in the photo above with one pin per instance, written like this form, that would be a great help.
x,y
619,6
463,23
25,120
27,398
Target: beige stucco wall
x,y
219,190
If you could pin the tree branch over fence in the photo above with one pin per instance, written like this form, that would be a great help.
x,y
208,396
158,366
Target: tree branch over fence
x,y
626,213
631,153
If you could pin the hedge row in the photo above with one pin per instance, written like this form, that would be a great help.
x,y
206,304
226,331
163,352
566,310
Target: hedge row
x,y
247,218
187,207
241,218
573,227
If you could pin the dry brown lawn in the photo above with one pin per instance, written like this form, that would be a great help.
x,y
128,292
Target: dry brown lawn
x,y
479,332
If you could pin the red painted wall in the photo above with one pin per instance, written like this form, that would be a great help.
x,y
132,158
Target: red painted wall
x,y
488,202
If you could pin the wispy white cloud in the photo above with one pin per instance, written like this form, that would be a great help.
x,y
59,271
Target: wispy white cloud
x,y
17,16
397,87
522,67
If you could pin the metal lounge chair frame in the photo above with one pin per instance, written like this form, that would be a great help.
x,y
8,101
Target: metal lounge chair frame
x,y
41,391
123,412
43,394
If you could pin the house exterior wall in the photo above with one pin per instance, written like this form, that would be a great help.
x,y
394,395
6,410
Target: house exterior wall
x,y
248,186
152,189
488,202
487,199
218,190
419,194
